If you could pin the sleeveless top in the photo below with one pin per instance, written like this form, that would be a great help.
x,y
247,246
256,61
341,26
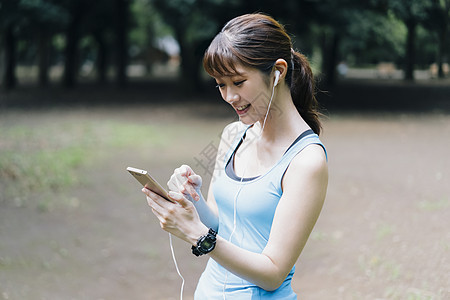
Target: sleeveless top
x,y
257,200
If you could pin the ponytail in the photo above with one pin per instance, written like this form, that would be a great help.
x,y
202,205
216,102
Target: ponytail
x,y
257,41
303,91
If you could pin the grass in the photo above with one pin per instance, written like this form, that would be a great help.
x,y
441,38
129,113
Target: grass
x,y
430,205
46,159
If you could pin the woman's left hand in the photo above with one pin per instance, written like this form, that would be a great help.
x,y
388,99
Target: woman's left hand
x,y
178,217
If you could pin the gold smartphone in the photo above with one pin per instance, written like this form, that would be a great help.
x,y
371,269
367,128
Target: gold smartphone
x,y
148,182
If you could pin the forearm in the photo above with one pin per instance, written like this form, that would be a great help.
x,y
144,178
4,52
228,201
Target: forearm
x,y
206,214
257,268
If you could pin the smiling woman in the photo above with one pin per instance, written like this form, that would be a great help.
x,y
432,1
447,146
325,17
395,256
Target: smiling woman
x,y
270,176
246,92
257,44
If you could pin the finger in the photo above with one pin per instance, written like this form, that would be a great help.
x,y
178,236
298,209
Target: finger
x,y
153,199
179,198
192,192
157,214
186,171
151,202
172,184
162,221
181,183
195,180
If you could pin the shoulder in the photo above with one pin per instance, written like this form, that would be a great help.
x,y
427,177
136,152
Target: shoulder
x,y
232,131
309,166
229,135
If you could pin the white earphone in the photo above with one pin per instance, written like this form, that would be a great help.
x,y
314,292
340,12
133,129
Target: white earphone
x,y
277,77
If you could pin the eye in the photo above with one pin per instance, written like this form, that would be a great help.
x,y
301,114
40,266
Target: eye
x,y
220,85
239,83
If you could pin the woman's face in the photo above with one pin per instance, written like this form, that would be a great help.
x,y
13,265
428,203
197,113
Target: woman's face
x,y
247,92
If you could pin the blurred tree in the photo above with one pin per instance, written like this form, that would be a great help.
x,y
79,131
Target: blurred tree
x,y
373,38
333,20
193,28
99,24
411,12
122,25
9,20
438,22
77,11
43,18
142,34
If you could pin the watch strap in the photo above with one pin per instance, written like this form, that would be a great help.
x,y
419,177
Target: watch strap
x,y
210,237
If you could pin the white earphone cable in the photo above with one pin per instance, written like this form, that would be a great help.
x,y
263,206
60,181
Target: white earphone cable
x,y
241,186
234,211
176,266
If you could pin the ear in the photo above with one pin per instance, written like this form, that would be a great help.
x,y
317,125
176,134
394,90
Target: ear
x,y
281,66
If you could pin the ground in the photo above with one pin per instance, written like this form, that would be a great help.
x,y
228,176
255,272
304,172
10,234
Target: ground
x,y
383,232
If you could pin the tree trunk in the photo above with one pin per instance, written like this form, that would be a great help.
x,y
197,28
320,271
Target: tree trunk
x,y
101,57
442,51
121,42
330,47
410,49
71,51
43,56
190,64
10,79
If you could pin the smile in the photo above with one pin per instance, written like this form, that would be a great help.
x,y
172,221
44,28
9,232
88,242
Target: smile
x,y
241,108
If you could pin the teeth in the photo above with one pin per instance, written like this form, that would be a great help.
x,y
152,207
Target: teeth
x,y
243,107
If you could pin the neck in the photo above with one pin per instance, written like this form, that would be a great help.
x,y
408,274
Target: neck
x,y
283,118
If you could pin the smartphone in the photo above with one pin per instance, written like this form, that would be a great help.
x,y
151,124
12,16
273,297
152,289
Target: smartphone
x,y
148,182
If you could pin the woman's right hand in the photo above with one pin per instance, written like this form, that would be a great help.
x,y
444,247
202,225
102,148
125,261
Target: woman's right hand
x,y
185,181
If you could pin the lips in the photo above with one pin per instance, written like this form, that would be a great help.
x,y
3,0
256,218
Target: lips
x,y
242,109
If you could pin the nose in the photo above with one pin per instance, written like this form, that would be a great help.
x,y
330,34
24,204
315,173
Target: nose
x,y
231,96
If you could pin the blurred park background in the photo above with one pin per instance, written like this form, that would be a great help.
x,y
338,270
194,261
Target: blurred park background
x,y
64,42
88,88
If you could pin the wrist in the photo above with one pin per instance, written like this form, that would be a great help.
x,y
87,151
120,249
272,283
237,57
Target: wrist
x,y
203,230
205,244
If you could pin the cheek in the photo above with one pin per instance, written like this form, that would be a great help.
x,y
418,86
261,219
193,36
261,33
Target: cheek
x,y
256,94
258,98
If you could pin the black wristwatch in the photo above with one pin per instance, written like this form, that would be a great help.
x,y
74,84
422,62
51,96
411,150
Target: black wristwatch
x,y
205,243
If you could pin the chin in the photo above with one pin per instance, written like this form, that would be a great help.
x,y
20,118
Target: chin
x,y
247,120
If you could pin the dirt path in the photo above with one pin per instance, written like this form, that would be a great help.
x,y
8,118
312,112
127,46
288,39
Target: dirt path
x,y
383,233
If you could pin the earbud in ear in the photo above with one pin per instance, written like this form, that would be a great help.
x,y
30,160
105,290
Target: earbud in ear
x,y
277,77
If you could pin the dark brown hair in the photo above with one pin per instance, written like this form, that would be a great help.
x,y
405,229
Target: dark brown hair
x,y
257,41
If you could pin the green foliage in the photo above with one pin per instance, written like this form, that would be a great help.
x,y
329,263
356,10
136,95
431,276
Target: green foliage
x,y
25,14
190,17
368,31
408,10
373,38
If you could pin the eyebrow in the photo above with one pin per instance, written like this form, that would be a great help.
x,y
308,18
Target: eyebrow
x,y
243,74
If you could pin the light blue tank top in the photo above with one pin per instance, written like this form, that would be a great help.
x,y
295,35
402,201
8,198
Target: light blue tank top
x,y
255,209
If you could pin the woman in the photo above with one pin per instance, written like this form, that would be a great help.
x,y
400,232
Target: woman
x,y
268,190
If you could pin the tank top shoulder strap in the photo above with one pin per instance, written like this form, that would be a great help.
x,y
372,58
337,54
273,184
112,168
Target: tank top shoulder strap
x,y
305,139
242,131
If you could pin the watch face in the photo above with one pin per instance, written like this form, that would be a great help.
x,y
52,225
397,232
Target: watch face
x,y
207,244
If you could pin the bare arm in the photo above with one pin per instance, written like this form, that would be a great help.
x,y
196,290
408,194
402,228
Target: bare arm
x,y
185,181
304,189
